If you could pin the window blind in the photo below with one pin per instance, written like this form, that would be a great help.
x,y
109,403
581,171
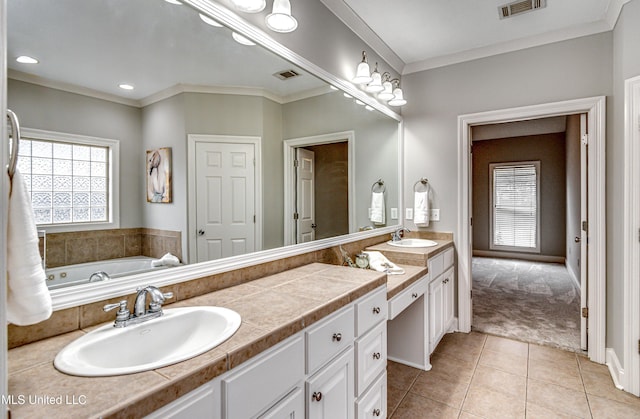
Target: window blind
x,y
515,202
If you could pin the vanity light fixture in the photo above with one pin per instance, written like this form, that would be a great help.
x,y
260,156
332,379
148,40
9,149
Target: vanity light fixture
x,y
126,86
359,102
241,39
398,97
347,95
369,108
375,85
387,88
206,19
25,59
250,6
280,19
362,72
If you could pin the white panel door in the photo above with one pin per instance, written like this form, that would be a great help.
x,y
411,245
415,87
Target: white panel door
x,y
584,235
225,191
305,201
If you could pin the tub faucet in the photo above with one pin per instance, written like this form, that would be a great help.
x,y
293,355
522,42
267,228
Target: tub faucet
x,y
99,276
399,233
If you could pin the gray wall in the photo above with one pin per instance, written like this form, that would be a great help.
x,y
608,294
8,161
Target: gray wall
x,y
573,194
549,149
55,110
626,64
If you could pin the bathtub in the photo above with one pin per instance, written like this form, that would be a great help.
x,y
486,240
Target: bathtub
x,y
65,276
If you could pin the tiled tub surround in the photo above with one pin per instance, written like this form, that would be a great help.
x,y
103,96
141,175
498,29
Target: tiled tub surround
x,y
89,246
272,309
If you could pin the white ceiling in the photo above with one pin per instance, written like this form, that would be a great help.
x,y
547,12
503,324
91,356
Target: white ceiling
x,y
425,34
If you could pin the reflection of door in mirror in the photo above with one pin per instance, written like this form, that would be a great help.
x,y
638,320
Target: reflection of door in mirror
x,y
305,199
225,179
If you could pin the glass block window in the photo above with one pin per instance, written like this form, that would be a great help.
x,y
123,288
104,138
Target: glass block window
x,y
514,209
68,179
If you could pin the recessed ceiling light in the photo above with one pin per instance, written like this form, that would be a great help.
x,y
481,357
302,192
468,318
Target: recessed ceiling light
x,y
206,19
241,39
174,2
125,86
25,59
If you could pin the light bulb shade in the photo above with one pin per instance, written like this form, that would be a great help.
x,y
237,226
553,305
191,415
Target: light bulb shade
x,y
250,6
280,19
206,19
241,39
398,99
387,92
376,83
362,74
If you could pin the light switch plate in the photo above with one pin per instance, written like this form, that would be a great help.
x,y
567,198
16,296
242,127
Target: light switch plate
x,y
408,214
394,213
434,215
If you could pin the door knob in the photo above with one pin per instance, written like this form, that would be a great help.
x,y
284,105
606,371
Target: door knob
x,y
314,225
201,232
577,239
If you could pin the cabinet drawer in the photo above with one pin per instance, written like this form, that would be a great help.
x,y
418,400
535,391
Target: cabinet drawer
x,y
265,380
436,265
371,310
401,301
330,336
371,356
373,404
292,406
447,258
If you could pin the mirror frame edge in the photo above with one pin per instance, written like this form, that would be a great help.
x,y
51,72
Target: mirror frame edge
x,y
69,297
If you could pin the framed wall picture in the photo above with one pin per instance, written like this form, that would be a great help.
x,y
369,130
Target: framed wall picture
x,y
159,175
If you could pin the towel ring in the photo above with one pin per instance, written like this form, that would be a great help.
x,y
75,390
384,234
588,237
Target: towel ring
x,y
380,184
422,182
15,142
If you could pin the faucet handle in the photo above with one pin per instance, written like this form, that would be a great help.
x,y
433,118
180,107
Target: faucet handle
x,y
122,304
122,315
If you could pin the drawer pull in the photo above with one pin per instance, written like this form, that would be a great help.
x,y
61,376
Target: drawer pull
x,y
376,355
376,412
316,396
376,310
337,337
414,295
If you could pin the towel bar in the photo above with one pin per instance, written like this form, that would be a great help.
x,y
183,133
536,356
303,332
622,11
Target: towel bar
x,y
15,142
380,184
423,181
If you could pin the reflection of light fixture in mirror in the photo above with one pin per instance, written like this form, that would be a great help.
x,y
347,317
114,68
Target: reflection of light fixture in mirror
x,y
398,99
369,108
362,73
241,39
375,85
174,2
250,6
280,19
25,59
347,95
332,87
206,19
125,86
359,102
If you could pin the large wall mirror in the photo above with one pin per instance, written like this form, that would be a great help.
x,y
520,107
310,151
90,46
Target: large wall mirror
x,y
202,93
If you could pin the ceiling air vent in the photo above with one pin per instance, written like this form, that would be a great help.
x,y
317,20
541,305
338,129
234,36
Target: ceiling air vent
x,y
286,74
519,7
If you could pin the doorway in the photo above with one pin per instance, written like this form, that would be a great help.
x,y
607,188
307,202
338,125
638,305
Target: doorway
x,y
595,267
319,187
225,198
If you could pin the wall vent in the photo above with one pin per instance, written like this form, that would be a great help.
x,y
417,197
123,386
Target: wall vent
x,y
286,74
519,7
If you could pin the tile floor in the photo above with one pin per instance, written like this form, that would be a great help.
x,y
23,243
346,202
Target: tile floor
x,y
480,376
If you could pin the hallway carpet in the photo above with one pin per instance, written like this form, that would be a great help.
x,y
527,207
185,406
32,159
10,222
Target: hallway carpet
x,y
528,301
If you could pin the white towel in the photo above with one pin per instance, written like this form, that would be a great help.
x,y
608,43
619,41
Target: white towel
x,y
377,208
28,298
166,260
380,263
421,208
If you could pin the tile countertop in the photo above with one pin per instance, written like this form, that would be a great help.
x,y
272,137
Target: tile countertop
x,y
417,256
272,309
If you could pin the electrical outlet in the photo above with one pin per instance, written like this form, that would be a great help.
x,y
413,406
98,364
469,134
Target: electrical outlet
x,y
434,215
394,213
408,214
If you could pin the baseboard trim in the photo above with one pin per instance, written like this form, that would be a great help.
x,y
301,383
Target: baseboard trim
x,y
574,277
517,255
426,367
615,369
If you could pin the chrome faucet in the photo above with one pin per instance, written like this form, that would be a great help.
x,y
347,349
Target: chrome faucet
x,y
399,233
140,314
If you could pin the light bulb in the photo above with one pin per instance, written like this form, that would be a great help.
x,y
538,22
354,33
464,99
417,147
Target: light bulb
x,y
280,19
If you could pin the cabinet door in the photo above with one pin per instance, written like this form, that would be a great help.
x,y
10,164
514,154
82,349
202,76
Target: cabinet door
x,y
373,404
448,299
203,402
371,356
436,305
330,390
291,407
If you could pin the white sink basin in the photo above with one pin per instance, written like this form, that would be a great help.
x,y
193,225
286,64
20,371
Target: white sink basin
x,y
179,334
413,243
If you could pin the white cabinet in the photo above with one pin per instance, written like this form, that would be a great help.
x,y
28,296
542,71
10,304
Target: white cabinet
x,y
330,390
291,407
441,298
371,357
373,404
329,337
203,402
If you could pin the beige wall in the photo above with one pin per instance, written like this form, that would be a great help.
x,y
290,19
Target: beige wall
x,y
549,149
